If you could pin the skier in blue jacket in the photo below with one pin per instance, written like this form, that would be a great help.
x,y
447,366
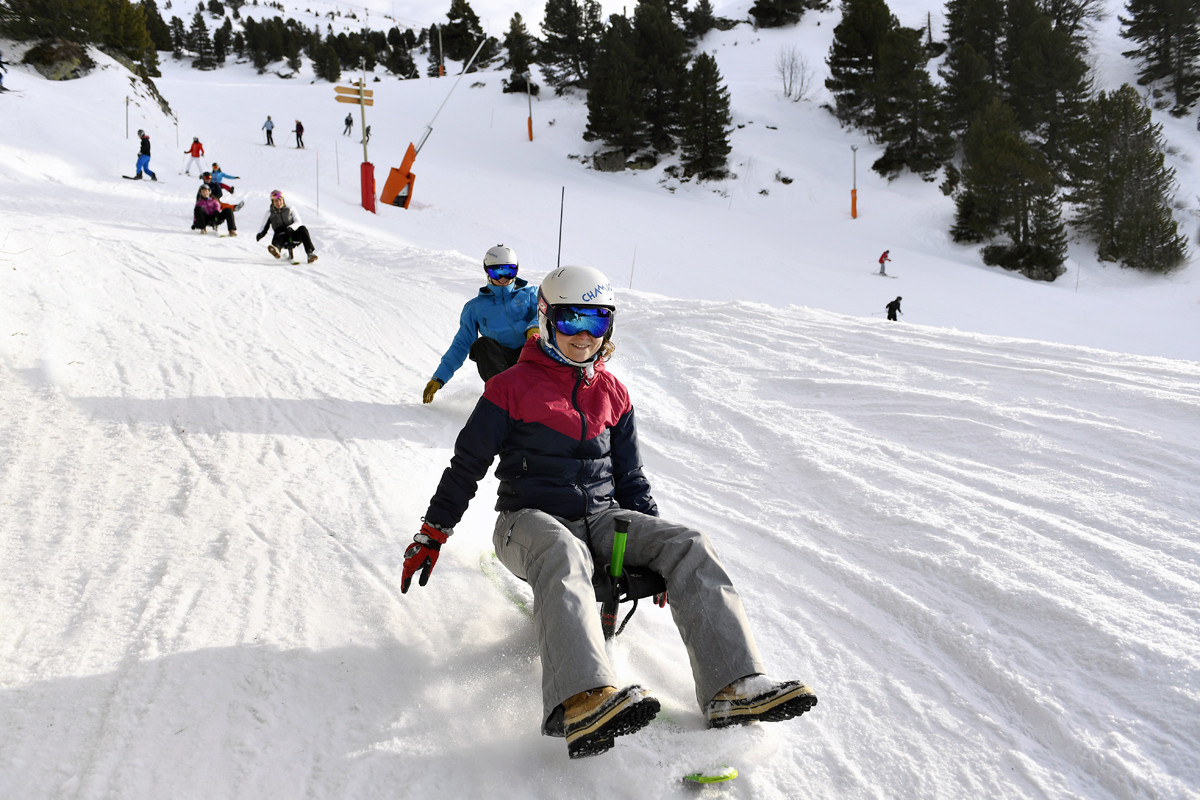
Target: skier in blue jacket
x,y
565,432
493,325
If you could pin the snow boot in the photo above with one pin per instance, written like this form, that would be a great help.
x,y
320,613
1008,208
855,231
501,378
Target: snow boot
x,y
758,698
273,250
593,719
312,257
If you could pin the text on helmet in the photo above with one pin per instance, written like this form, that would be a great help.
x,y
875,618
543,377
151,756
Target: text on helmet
x,y
602,289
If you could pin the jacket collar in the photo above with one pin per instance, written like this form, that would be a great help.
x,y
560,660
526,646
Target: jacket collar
x,y
488,290
534,352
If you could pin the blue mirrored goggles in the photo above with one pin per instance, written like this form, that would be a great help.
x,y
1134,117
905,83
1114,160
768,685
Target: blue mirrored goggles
x,y
570,320
501,271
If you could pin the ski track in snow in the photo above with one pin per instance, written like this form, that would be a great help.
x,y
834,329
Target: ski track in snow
x,y
982,552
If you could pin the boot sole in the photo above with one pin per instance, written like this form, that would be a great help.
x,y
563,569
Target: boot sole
x,y
767,707
629,713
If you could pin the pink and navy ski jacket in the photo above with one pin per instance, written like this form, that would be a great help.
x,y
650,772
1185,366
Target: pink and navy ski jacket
x,y
567,444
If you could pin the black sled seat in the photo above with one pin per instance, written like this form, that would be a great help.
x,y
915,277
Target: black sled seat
x,y
616,583
629,585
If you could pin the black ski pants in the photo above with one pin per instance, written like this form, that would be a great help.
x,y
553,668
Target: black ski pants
x,y
288,239
491,357
201,220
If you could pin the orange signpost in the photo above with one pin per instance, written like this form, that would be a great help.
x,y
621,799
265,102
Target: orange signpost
x,y
397,189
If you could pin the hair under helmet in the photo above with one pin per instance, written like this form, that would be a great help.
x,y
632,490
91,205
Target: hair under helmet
x,y
571,286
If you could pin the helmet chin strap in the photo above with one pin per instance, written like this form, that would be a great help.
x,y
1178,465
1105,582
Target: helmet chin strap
x,y
550,348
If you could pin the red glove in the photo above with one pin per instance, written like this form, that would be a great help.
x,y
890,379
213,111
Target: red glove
x,y
422,554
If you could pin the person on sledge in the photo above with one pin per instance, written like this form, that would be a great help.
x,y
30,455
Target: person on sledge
x,y
218,190
209,213
493,325
195,151
564,429
220,177
288,230
143,162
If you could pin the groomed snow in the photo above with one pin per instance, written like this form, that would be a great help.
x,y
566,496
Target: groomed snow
x,y
973,532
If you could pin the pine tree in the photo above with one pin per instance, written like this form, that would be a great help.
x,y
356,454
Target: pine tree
x,y
570,34
200,44
223,40
972,71
1008,189
1168,35
520,45
776,13
179,41
700,20
326,63
1124,189
994,156
399,59
156,26
1047,81
616,107
854,60
661,52
911,124
463,33
705,118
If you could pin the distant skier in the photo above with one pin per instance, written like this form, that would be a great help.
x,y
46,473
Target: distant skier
x,y
349,125
564,429
366,137
208,213
883,259
269,127
893,308
195,151
299,131
143,162
493,325
288,230
3,69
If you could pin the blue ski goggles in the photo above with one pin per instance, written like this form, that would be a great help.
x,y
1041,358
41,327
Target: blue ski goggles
x,y
571,320
499,272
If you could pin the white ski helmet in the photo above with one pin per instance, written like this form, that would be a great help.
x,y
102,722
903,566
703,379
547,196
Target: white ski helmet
x,y
500,254
571,286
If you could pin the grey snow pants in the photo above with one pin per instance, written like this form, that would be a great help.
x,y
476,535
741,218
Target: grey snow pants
x,y
551,554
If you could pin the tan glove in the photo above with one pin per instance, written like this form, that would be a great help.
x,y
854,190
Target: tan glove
x,y
531,332
430,390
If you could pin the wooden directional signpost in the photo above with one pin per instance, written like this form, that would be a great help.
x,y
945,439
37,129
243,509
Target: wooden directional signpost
x,y
362,97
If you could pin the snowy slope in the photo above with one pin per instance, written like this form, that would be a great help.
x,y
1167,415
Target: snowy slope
x,y
979,548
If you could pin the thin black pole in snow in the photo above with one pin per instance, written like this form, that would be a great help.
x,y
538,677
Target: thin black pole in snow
x,y
561,202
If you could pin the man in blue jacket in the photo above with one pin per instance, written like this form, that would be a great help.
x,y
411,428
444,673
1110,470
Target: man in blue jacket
x,y
493,325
